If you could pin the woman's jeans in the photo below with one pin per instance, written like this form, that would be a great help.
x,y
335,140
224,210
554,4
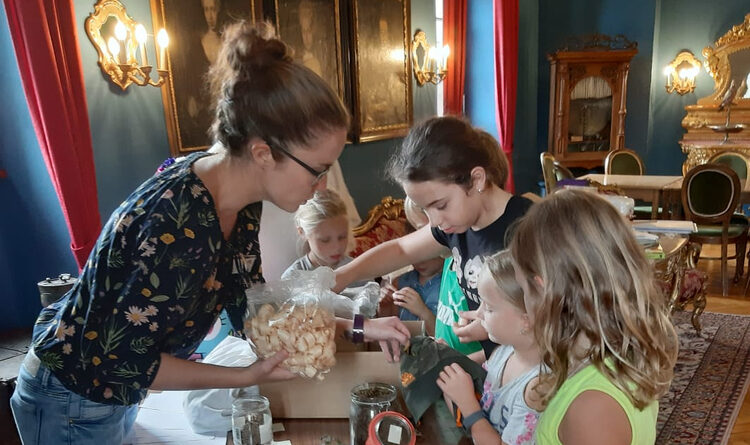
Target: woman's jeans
x,y
48,413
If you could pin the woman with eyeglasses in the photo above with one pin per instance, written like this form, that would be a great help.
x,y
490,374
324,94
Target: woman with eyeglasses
x,y
182,248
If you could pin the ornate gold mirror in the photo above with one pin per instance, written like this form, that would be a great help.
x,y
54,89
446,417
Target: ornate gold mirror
x,y
721,121
120,43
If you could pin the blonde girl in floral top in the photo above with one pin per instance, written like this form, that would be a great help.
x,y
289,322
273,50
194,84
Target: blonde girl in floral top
x,y
181,248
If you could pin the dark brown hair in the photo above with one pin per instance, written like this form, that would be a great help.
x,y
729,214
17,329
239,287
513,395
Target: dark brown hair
x,y
447,149
259,91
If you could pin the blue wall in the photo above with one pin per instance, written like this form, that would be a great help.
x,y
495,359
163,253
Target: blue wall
x,y
34,240
128,129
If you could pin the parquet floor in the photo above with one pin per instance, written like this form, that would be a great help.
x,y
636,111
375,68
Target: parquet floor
x,y
735,303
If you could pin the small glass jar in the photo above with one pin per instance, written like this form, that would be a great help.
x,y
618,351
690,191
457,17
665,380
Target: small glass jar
x,y
368,400
251,421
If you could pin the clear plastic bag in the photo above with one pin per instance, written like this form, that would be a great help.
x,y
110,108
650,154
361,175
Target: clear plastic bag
x,y
353,300
298,316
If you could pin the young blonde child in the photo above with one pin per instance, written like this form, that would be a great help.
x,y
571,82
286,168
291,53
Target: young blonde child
x,y
507,411
601,323
414,294
323,228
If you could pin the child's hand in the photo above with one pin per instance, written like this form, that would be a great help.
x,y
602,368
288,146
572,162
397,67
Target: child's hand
x,y
386,307
456,384
469,328
410,299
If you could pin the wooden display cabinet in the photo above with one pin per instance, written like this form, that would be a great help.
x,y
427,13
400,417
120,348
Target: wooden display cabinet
x,y
588,87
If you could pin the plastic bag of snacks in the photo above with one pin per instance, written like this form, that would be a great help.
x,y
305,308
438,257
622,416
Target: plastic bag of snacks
x,y
296,316
352,300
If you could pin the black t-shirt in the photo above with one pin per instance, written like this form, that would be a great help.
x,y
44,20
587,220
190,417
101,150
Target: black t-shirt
x,y
470,248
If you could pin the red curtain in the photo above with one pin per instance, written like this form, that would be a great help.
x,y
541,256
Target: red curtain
x,y
505,19
46,43
454,35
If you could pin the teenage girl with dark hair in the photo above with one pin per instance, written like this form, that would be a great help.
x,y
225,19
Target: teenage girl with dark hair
x,y
455,172
181,248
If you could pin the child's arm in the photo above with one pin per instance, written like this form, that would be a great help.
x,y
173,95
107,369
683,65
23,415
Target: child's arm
x,y
457,386
595,418
410,299
389,256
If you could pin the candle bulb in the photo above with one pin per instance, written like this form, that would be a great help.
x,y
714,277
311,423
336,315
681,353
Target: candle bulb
x,y
140,36
121,33
446,52
114,49
667,72
162,39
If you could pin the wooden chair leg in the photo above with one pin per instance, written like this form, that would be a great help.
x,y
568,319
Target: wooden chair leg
x,y
739,265
724,277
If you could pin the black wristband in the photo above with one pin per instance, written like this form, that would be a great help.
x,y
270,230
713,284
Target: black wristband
x,y
358,329
471,419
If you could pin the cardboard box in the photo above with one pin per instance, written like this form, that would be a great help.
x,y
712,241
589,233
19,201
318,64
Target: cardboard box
x,y
330,398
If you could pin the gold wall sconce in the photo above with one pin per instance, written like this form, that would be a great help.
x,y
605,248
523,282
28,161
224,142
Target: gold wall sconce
x,y
118,39
430,63
681,73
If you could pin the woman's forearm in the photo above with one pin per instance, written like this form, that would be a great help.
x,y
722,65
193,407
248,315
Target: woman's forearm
x,y
178,374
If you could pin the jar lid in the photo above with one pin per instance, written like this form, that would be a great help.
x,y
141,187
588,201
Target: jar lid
x,y
64,279
391,428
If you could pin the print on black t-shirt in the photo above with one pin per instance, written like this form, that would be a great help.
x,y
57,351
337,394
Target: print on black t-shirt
x,y
470,248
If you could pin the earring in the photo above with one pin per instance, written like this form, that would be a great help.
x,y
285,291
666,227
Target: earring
x,y
479,190
524,331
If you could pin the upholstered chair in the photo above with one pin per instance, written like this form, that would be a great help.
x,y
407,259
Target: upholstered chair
x,y
710,194
552,171
623,162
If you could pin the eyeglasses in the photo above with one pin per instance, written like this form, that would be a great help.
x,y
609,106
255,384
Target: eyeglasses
x,y
319,175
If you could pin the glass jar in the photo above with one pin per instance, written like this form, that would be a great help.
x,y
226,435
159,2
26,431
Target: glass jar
x,y
368,400
251,421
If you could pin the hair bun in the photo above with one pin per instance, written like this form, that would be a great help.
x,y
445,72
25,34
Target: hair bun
x,y
252,47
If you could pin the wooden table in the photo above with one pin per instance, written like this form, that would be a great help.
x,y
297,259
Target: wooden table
x,y
436,427
645,187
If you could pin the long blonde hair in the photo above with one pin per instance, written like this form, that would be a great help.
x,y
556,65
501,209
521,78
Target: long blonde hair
x,y
597,292
325,204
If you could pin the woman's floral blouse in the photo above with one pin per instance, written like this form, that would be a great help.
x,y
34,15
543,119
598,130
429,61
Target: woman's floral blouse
x,y
155,282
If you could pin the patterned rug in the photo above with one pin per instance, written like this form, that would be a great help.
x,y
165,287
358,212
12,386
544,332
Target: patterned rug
x,y
711,378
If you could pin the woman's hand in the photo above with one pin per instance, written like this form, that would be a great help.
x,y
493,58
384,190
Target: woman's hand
x,y
457,385
390,332
469,328
269,370
410,300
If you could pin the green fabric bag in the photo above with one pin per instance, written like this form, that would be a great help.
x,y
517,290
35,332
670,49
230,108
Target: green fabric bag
x,y
421,364
451,302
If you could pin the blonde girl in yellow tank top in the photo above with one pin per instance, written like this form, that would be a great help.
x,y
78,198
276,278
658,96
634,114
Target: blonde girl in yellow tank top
x,y
602,325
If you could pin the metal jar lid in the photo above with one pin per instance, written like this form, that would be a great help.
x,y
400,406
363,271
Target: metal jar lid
x,y
64,280
51,289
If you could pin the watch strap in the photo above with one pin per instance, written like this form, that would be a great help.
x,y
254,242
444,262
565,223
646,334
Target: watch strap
x,y
472,418
358,329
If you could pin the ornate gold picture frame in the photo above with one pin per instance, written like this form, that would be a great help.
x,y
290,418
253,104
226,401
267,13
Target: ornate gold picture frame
x,y
194,27
381,81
